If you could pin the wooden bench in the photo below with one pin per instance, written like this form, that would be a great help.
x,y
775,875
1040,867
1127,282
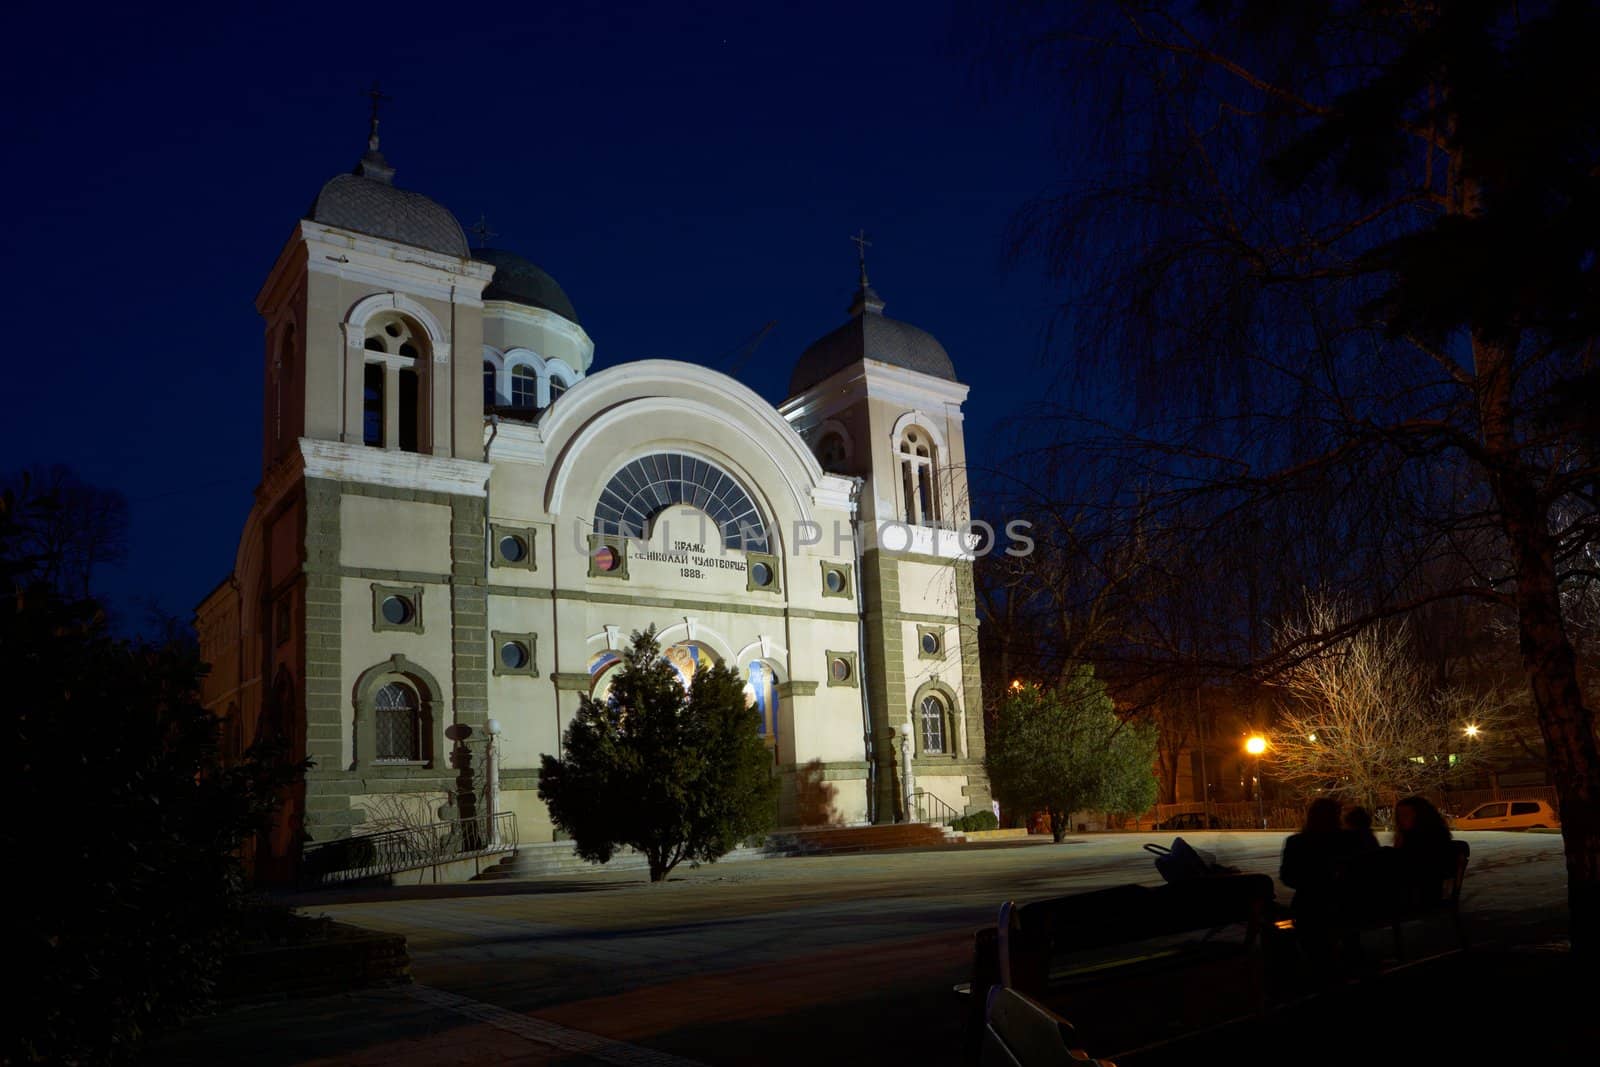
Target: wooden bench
x,y
1017,953
1018,1031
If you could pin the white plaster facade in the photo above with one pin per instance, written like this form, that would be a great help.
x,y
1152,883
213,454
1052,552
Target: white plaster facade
x,y
389,474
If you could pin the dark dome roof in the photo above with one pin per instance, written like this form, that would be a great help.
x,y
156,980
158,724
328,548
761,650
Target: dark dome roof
x,y
870,334
518,281
367,202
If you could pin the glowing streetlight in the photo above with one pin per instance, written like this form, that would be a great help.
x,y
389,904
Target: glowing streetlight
x,y
1016,683
1472,729
1256,745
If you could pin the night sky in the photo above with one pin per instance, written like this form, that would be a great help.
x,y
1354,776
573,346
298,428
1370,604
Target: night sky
x,y
687,172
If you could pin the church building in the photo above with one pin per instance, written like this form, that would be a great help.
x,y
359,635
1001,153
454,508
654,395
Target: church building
x,y
462,518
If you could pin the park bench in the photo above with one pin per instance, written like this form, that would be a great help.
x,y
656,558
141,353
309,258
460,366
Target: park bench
x,y
1067,953
1018,1031
1447,904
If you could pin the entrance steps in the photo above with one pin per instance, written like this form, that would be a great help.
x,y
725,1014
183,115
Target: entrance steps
x,y
847,840
558,857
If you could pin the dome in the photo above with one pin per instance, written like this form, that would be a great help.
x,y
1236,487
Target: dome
x,y
367,202
518,281
870,334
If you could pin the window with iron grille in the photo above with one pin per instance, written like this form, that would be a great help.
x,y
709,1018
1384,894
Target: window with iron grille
x,y
932,725
398,712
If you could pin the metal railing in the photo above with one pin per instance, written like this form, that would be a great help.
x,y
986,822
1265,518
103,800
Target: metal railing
x,y
925,807
359,856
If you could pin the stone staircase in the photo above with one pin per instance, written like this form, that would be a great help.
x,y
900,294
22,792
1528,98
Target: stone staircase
x,y
557,857
848,840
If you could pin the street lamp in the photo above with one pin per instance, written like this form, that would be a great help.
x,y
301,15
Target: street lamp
x,y
1256,745
906,779
1472,729
491,779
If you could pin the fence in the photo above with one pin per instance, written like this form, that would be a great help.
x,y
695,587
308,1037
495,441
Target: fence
x,y
1227,815
1242,815
359,856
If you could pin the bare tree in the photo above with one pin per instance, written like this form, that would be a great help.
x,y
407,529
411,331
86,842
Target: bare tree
x,y
1353,250
1363,719
73,527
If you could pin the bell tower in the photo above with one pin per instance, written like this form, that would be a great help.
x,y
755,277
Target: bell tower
x,y
878,399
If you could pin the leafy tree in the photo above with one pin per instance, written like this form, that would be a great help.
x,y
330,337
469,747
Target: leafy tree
x,y
1065,749
129,827
673,774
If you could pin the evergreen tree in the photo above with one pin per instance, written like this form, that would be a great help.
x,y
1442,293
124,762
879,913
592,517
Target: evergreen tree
x,y
131,828
1064,750
673,774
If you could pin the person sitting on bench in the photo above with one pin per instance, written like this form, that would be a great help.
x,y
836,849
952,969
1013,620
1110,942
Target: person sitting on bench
x,y
1313,866
1422,846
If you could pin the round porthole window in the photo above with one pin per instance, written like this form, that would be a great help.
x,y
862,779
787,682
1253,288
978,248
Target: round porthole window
x,y
513,549
514,655
761,574
834,580
840,668
930,643
605,559
397,610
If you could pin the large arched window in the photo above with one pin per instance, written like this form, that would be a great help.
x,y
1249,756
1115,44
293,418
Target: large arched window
x,y
645,488
397,726
933,716
919,477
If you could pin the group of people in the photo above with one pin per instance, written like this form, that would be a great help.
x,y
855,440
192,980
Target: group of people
x,y
1342,876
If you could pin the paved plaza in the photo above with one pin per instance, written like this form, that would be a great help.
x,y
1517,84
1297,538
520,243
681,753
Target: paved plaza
x,y
786,961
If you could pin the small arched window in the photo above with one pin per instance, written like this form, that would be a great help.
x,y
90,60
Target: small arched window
x,y
831,451
489,396
932,713
919,474
398,729
524,387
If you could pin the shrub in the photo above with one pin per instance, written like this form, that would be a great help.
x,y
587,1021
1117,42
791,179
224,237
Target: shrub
x,y
975,822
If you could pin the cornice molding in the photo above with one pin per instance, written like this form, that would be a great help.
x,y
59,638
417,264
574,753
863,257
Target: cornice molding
x,y
341,462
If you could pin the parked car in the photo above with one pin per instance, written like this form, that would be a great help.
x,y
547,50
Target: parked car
x,y
1508,815
1190,820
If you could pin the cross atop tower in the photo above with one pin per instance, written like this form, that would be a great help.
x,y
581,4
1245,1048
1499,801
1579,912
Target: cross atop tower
x,y
481,231
377,96
859,239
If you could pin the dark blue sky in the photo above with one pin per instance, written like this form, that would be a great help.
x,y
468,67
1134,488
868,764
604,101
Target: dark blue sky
x,y
687,172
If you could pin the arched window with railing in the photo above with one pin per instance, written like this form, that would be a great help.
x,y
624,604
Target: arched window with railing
x,y
919,477
392,407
